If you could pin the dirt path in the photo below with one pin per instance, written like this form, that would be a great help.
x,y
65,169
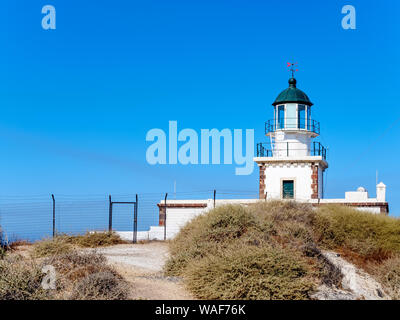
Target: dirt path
x,y
141,265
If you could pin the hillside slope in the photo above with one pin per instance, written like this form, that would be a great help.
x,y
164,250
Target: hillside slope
x,y
276,250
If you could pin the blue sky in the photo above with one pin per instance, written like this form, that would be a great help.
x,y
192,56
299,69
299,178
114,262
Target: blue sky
x,y
76,102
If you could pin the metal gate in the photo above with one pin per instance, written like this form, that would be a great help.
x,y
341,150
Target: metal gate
x,y
135,214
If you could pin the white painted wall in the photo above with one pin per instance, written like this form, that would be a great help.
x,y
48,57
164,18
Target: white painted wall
x,y
178,217
300,172
298,144
357,196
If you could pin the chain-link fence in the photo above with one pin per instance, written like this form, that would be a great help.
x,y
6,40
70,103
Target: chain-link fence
x,y
42,216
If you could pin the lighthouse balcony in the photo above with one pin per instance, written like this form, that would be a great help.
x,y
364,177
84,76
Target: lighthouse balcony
x,y
293,124
288,150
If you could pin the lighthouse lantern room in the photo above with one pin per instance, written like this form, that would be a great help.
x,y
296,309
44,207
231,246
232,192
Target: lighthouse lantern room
x,y
291,163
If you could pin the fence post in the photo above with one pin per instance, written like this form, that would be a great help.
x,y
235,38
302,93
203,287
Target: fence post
x,y
165,216
215,191
109,214
54,215
135,213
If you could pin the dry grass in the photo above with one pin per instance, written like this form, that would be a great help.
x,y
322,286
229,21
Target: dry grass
x,y
51,247
93,239
66,243
79,276
86,275
75,265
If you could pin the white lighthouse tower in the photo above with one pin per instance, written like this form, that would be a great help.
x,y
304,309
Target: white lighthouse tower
x,y
292,163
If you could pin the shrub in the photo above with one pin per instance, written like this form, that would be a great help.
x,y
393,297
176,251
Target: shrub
x,y
74,265
281,211
21,280
207,234
251,272
371,236
65,243
237,252
104,285
93,239
51,247
79,275
87,276
272,250
388,273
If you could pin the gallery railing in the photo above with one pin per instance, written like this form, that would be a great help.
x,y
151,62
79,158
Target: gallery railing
x,y
316,149
292,124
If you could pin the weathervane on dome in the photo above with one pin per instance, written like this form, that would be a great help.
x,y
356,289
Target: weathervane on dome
x,y
293,67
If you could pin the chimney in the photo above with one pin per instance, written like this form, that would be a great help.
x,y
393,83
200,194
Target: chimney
x,y
381,192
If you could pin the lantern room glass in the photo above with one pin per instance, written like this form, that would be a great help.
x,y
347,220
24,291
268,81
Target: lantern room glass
x,y
301,116
293,116
280,117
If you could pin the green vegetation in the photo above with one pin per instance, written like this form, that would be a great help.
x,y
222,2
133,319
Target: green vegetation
x,y
251,272
271,250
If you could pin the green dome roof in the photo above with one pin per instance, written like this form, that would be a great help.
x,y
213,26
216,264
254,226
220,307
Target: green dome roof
x,y
292,94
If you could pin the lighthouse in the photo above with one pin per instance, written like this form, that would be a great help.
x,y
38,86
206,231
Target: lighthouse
x,y
292,165
291,161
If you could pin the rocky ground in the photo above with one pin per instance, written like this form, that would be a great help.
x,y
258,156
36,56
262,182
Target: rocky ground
x,y
355,285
